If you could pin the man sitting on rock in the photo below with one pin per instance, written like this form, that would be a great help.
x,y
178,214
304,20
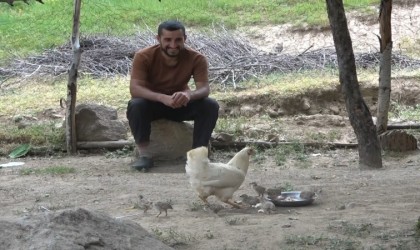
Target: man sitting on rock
x,y
159,89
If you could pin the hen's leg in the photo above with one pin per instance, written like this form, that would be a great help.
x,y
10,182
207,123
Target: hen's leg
x,y
232,204
204,199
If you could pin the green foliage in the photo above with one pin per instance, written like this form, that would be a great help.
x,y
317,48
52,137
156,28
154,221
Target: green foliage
x,y
321,241
283,85
329,136
232,221
30,28
110,91
124,152
37,134
231,125
20,151
305,240
403,112
357,230
172,237
295,151
196,206
410,46
46,135
288,187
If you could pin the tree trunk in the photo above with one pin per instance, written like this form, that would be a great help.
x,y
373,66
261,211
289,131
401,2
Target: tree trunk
x,y
359,114
385,41
71,139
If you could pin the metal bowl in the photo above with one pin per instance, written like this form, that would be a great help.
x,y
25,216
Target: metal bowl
x,y
290,199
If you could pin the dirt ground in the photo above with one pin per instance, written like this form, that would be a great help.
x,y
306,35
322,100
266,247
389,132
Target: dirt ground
x,y
354,209
369,209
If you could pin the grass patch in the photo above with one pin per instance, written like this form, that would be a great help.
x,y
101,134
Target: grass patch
x,y
38,134
404,112
54,170
110,91
231,125
47,135
294,151
118,153
259,156
113,92
329,136
25,29
322,241
299,240
410,46
355,230
233,221
196,206
172,237
284,85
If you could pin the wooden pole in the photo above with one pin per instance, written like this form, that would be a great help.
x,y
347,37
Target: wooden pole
x,y
217,144
71,139
384,94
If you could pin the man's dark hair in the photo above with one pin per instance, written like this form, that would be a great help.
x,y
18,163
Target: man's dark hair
x,y
171,25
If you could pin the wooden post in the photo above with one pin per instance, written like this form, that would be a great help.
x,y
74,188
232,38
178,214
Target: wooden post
x,y
71,139
385,41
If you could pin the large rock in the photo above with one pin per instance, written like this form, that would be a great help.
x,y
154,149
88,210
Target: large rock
x,y
98,123
75,230
170,140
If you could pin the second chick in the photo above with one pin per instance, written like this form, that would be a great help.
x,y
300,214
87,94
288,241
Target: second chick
x,y
162,206
266,206
259,189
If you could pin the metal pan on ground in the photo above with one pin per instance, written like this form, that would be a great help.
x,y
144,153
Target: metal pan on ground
x,y
290,199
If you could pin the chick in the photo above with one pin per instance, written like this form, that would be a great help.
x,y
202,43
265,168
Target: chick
x,y
266,206
249,200
307,195
214,207
274,192
144,204
163,206
259,189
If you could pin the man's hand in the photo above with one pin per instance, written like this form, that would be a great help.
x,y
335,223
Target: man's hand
x,y
166,100
181,99
176,100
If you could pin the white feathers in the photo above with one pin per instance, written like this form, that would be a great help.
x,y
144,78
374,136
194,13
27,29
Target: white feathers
x,y
214,178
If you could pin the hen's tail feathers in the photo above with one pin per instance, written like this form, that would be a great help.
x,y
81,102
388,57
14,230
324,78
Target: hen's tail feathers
x,y
197,160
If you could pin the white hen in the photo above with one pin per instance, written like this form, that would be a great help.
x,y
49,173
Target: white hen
x,y
218,179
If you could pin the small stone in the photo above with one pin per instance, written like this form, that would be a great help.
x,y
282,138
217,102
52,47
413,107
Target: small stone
x,y
341,207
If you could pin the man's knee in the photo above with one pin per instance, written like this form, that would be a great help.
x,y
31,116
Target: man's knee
x,y
136,106
211,105
137,103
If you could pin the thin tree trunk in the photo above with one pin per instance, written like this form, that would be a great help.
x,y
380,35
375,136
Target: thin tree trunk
x,y
359,114
385,40
71,139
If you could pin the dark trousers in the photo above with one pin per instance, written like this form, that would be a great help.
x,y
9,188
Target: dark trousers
x,y
204,113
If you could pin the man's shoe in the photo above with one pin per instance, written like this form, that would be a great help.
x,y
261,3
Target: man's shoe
x,y
143,164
